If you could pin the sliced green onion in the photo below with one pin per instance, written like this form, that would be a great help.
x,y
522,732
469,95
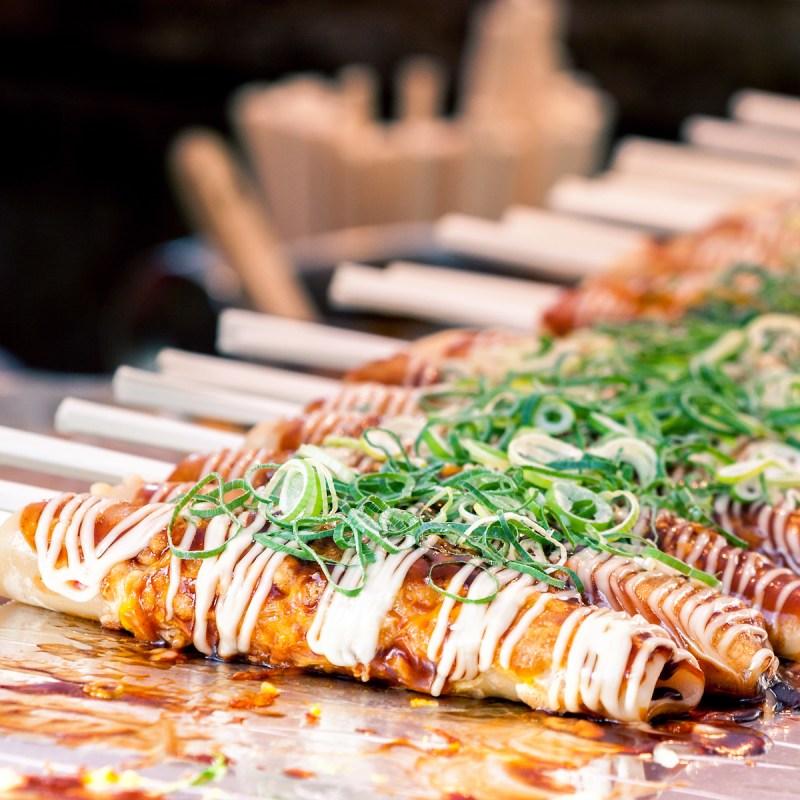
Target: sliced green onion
x,y
434,443
554,416
336,467
485,455
631,516
748,490
304,488
463,598
762,330
205,506
729,344
606,423
578,507
680,567
743,470
630,450
539,449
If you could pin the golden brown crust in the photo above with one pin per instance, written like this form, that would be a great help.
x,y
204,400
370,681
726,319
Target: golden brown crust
x,y
725,634
772,589
139,590
402,369
651,282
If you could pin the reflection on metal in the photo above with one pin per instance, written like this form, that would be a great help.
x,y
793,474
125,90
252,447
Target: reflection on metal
x,y
74,697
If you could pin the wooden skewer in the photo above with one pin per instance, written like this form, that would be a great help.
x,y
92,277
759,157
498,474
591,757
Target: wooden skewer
x,y
535,250
56,456
438,295
743,138
766,108
121,424
281,384
222,204
250,335
138,387
650,209
692,164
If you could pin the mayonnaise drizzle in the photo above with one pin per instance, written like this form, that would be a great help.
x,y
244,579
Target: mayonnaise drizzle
x,y
236,582
747,574
346,629
230,579
778,526
590,658
87,562
375,398
590,667
473,638
704,621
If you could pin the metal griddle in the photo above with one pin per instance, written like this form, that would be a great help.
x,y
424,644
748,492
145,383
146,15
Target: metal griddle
x,y
75,697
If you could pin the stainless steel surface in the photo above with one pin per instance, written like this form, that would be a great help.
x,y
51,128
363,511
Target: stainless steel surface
x,y
73,696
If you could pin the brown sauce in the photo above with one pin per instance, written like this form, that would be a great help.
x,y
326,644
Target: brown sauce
x,y
457,742
70,787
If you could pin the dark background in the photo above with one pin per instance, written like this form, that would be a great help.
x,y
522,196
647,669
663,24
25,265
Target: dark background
x,y
91,94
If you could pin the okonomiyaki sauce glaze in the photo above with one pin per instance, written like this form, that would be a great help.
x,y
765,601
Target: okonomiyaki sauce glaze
x,y
78,537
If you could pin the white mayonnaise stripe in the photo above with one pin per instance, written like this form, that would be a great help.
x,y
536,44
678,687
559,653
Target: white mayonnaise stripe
x,y
473,638
527,620
87,563
443,619
238,579
778,525
175,571
693,615
745,573
590,663
346,629
374,398
215,573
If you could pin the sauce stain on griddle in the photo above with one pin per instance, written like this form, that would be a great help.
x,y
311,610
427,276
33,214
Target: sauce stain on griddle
x,y
105,689
70,787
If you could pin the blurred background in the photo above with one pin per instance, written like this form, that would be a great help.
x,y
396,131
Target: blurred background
x,y
93,93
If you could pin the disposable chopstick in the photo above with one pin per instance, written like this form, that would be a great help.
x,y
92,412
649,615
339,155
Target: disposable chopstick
x,y
137,387
745,138
509,296
281,384
536,251
586,235
693,164
439,297
75,416
14,496
766,108
223,205
55,456
655,210
262,336
673,187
